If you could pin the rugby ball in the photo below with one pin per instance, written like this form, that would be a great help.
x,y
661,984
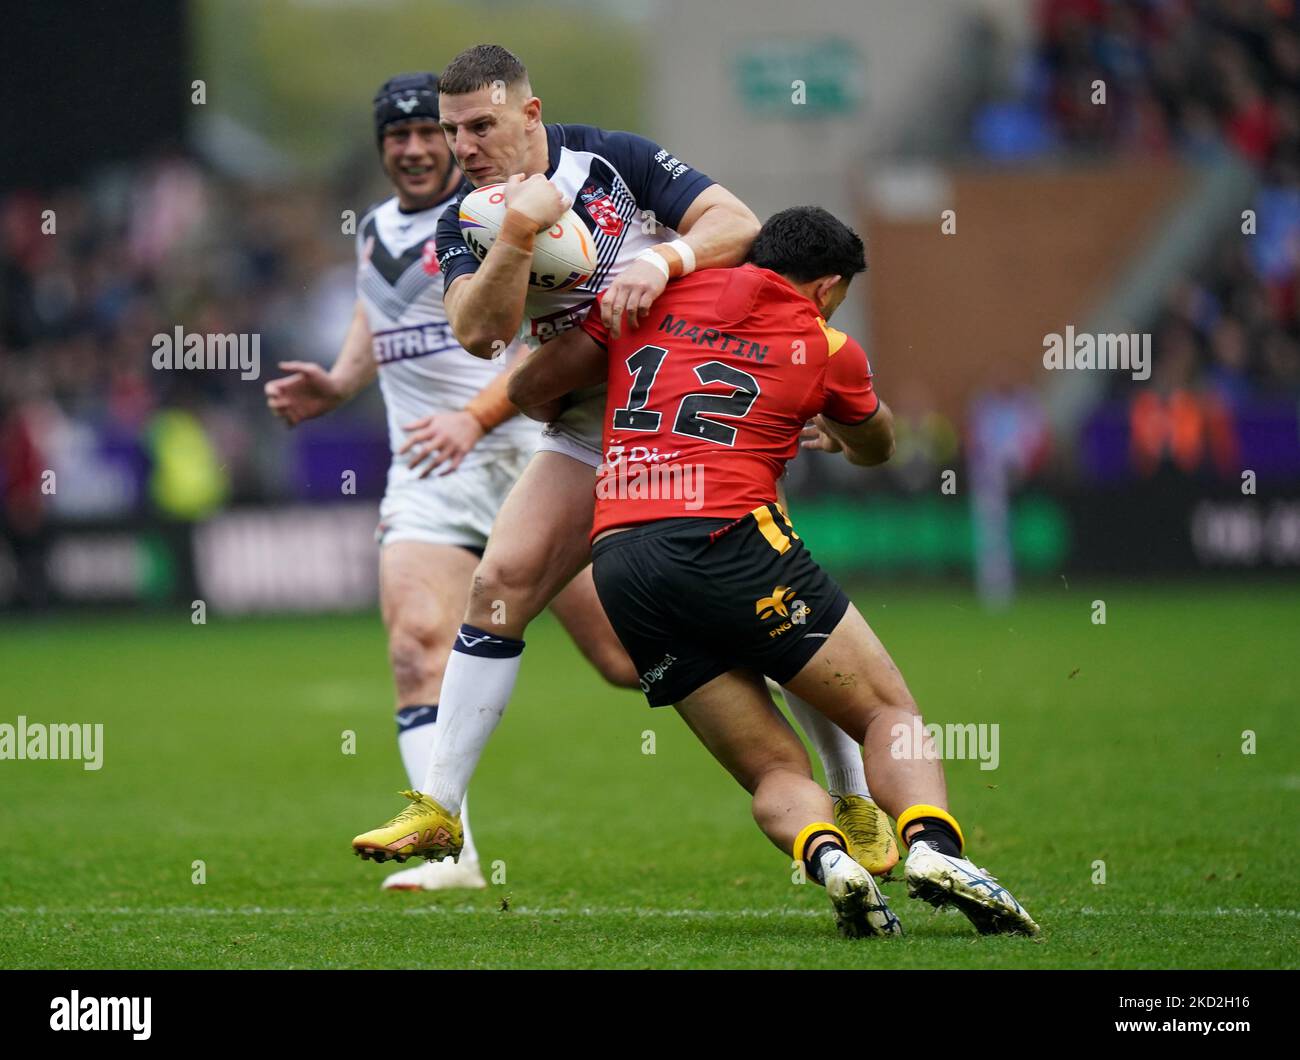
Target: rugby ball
x,y
563,256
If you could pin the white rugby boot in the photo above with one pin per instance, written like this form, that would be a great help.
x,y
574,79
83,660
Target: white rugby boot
x,y
942,880
860,908
442,875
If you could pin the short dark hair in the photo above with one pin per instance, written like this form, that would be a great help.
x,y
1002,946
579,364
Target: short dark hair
x,y
805,243
480,66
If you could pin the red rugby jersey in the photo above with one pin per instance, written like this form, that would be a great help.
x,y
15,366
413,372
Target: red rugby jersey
x,y
708,396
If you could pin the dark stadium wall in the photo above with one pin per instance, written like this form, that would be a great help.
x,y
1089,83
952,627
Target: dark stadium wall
x,y
90,82
1034,251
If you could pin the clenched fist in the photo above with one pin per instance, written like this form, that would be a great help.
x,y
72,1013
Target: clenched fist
x,y
536,198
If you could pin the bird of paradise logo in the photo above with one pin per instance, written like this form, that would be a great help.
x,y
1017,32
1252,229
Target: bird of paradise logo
x,y
775,605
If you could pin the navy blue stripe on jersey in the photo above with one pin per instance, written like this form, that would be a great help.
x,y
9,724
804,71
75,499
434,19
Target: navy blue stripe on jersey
x,y
394,301
389,267
393,282
658,180
473,641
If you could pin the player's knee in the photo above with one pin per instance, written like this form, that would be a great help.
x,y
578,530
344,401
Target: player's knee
x,y
505,593
896,705
417,652
888,714
772,769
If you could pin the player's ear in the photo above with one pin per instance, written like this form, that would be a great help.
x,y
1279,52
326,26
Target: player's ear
x,y
532,112
825,290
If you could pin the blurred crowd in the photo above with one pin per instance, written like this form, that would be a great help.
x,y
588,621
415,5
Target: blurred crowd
x,y
1181,75
1186,72
1177,74
91,274
1185,78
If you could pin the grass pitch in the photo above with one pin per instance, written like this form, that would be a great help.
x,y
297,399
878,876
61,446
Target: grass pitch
x,y
1121,745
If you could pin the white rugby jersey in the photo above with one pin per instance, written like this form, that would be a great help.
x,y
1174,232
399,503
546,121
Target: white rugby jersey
x,y
422,368
621,185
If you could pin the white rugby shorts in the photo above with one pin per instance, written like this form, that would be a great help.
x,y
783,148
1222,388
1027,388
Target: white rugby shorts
x,y
454,509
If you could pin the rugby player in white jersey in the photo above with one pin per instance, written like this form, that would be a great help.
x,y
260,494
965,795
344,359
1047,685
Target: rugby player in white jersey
x,y
651,216
466,445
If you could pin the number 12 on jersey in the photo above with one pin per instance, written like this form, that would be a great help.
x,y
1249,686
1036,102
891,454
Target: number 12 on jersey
x,y
694,409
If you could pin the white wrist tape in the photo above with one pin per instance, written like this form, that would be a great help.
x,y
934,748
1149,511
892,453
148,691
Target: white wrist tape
x,y
656,260
688,255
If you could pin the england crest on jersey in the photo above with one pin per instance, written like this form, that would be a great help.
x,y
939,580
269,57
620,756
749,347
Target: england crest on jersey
x,y
601,209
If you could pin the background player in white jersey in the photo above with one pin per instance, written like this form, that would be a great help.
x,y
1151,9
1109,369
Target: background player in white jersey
x,y
433,524
651,216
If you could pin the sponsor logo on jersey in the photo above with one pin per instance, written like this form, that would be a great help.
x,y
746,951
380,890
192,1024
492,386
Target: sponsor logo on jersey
x,y
782,604
429,259
545,328
452,251
638,454
602,209
550,281
775,604
672,165
656,672
404,343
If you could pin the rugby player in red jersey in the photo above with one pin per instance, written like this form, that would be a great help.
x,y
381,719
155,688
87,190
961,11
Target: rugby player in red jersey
x,y
706,582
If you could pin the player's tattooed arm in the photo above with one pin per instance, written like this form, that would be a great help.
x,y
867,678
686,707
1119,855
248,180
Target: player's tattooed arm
x,y
718,229
309,390
486,308
569,362
866,444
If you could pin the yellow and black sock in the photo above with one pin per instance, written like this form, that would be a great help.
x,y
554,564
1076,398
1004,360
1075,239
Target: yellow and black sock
x,y
939,828
938,834
812,862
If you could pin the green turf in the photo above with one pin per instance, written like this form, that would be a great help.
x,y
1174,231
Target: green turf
x,y
1120,743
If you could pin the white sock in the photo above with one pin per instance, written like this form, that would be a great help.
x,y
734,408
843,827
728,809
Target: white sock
x,y
841,757
476,687
469,852
416,732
